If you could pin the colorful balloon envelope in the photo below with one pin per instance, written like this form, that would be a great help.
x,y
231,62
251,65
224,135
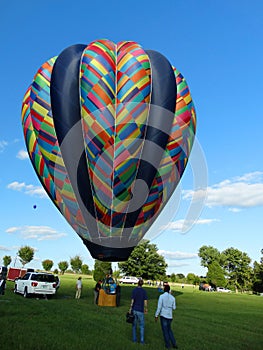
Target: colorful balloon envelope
x,y
109,129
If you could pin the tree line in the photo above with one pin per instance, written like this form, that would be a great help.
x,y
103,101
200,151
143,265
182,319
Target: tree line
x,y
26,254
230,268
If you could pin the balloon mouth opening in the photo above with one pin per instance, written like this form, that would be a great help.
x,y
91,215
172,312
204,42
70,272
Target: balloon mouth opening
x,y
104,253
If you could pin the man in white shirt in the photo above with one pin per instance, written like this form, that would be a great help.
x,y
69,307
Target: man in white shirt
x,y
166,305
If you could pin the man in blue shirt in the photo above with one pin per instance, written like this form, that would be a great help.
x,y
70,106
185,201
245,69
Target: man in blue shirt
x,y
139,307
166,305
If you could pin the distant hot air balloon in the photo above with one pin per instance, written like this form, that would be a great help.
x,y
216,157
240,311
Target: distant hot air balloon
x,y
109,129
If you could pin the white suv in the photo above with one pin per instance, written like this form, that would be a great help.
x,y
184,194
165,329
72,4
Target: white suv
x,y
36,283
223,290
129,279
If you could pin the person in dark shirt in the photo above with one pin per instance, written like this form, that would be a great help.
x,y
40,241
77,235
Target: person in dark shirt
x,y
2,285
139,304
118,294
97,291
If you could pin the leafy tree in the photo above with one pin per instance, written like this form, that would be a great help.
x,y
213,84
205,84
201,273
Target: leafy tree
x,y
26,254
258,275
173,277
192,278
7,260
180,277
85,269
237,266
216,275
101,269
208,254
116,274
145,262
197,280
63,266
76,263
47,264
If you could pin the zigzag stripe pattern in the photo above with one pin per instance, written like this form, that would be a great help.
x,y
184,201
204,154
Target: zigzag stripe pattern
x,y
133,97
114,128
98,122
117,91
178,149
43,147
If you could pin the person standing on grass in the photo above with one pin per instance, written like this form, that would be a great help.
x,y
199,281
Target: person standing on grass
x,y
97,291
166,305
78,288
2,285
118,294
139,304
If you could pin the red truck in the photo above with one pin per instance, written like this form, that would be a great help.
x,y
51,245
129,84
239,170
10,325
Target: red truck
x,y
14,273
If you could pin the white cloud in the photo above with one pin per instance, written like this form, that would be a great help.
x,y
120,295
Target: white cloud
x,y
35,191
5,249
22,154
3,145
256,176
235,210
240,192
12,229
177,255
27,189
180,225
39,233
16,186
36,258
175,264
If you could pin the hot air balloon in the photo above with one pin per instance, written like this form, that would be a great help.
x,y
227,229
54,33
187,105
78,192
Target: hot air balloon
x,y
109,129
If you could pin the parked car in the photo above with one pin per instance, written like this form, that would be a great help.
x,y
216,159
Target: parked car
x,y
223,290
36,283
206,287
129,280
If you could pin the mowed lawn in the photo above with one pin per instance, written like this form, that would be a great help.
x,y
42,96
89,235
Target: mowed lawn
x,y
202,320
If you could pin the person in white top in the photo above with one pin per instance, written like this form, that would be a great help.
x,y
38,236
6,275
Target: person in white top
x,y
166,305
78,288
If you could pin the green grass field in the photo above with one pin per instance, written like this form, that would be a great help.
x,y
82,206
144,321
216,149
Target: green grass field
x,y
202,320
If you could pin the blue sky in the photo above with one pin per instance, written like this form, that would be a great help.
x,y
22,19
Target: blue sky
x,y
217,45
